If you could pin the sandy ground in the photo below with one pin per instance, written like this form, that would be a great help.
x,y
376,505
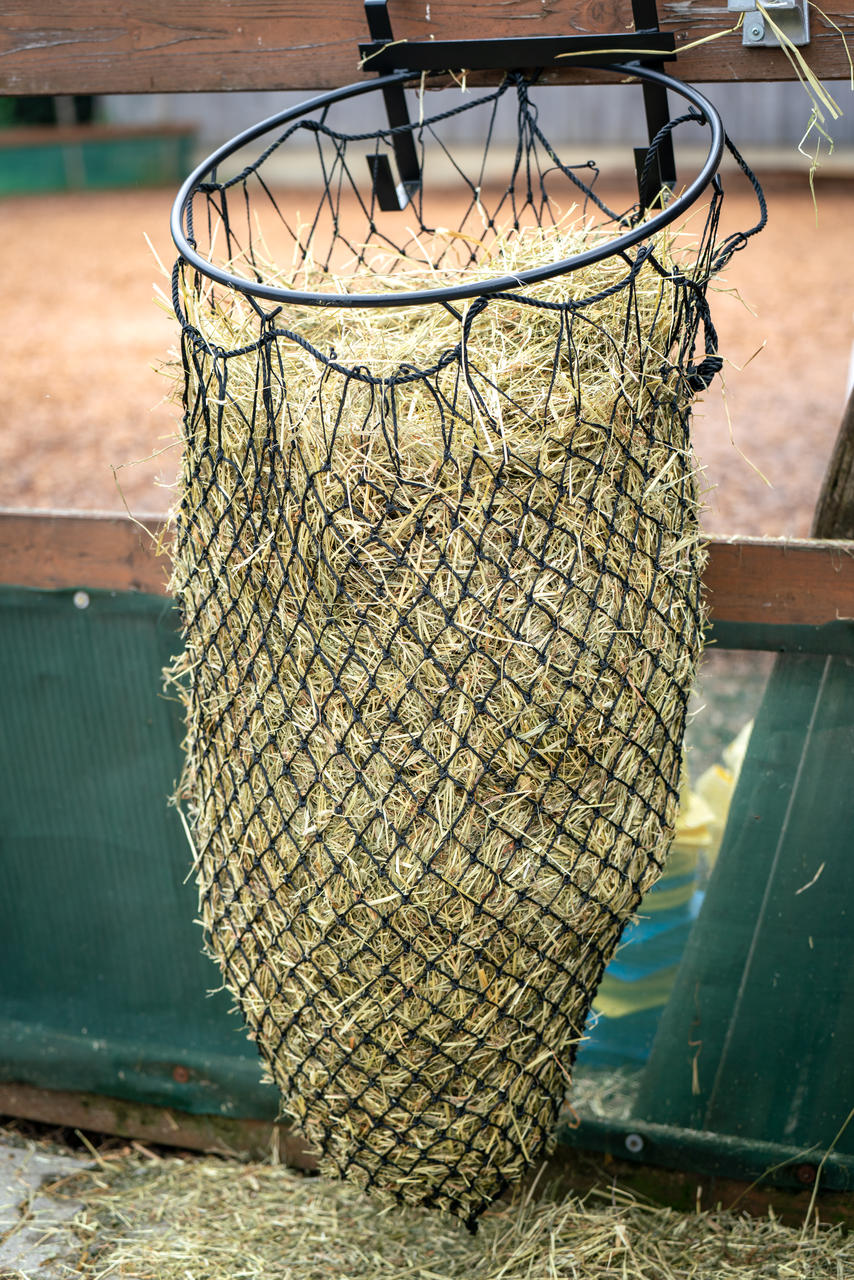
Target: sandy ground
x,y
86,424
81,334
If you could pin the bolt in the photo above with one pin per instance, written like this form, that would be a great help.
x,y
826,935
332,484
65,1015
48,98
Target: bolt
x,y
634,1143
180,1074
805,1174
756,32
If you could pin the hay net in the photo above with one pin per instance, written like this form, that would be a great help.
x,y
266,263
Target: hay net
x,y
439,574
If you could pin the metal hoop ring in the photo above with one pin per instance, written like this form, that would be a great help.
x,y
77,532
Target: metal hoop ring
x,y
453,293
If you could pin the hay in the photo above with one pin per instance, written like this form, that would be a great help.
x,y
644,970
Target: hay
x,y
440,636
177,1219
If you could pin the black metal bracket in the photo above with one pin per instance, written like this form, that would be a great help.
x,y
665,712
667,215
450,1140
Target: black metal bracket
x,y
390,196
386,55
660,173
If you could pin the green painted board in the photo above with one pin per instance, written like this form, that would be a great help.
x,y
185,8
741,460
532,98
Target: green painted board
x,y
103,986
104,989
757,1040
712,1155
95,164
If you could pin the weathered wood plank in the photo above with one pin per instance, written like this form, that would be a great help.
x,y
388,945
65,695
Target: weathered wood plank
x,y
54,550
163,1125
143,46
834,513
807,582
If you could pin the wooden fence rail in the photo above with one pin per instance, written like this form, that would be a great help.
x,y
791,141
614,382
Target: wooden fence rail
x,y
757,580
144,46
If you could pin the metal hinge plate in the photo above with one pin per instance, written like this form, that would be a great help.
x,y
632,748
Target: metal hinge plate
x,y
791,16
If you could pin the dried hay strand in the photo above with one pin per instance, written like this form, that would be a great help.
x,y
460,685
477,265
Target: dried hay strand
x,y
441,592
174,1219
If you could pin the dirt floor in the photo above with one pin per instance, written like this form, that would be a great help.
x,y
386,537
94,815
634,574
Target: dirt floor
x,y
86,424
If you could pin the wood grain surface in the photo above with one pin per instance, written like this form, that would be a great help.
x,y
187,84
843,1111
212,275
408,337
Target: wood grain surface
x,y
834,513
808,581
747,579
143,46
163,1125
56,550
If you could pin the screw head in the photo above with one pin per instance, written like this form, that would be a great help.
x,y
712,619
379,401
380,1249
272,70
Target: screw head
x,y
805,1174
756,32
180,1075
634,1143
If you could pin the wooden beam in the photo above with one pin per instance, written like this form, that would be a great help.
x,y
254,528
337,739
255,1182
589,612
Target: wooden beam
x,y
807,582
146,46
95,1113
60,549
834,513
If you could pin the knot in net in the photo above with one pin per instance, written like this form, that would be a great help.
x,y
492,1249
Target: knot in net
x,y
439,572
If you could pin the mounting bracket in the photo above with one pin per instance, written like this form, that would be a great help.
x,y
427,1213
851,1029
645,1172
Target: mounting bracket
x,y
791,16
646,45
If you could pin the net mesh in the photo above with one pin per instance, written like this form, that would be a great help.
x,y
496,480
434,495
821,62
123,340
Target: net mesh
x,y
439,572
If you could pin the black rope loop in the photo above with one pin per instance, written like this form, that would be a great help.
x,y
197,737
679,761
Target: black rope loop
x,y
699,377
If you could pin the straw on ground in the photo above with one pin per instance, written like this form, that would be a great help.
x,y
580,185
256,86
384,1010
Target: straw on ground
x,y
206,1219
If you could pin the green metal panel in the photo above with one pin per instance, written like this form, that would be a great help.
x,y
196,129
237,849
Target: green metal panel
x,y
97,163
831,638
103,986
712,1154
757,1040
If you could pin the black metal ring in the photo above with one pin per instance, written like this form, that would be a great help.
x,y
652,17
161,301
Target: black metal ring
x,y
453,293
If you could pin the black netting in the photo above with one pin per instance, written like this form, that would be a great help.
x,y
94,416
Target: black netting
x,y
439,568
